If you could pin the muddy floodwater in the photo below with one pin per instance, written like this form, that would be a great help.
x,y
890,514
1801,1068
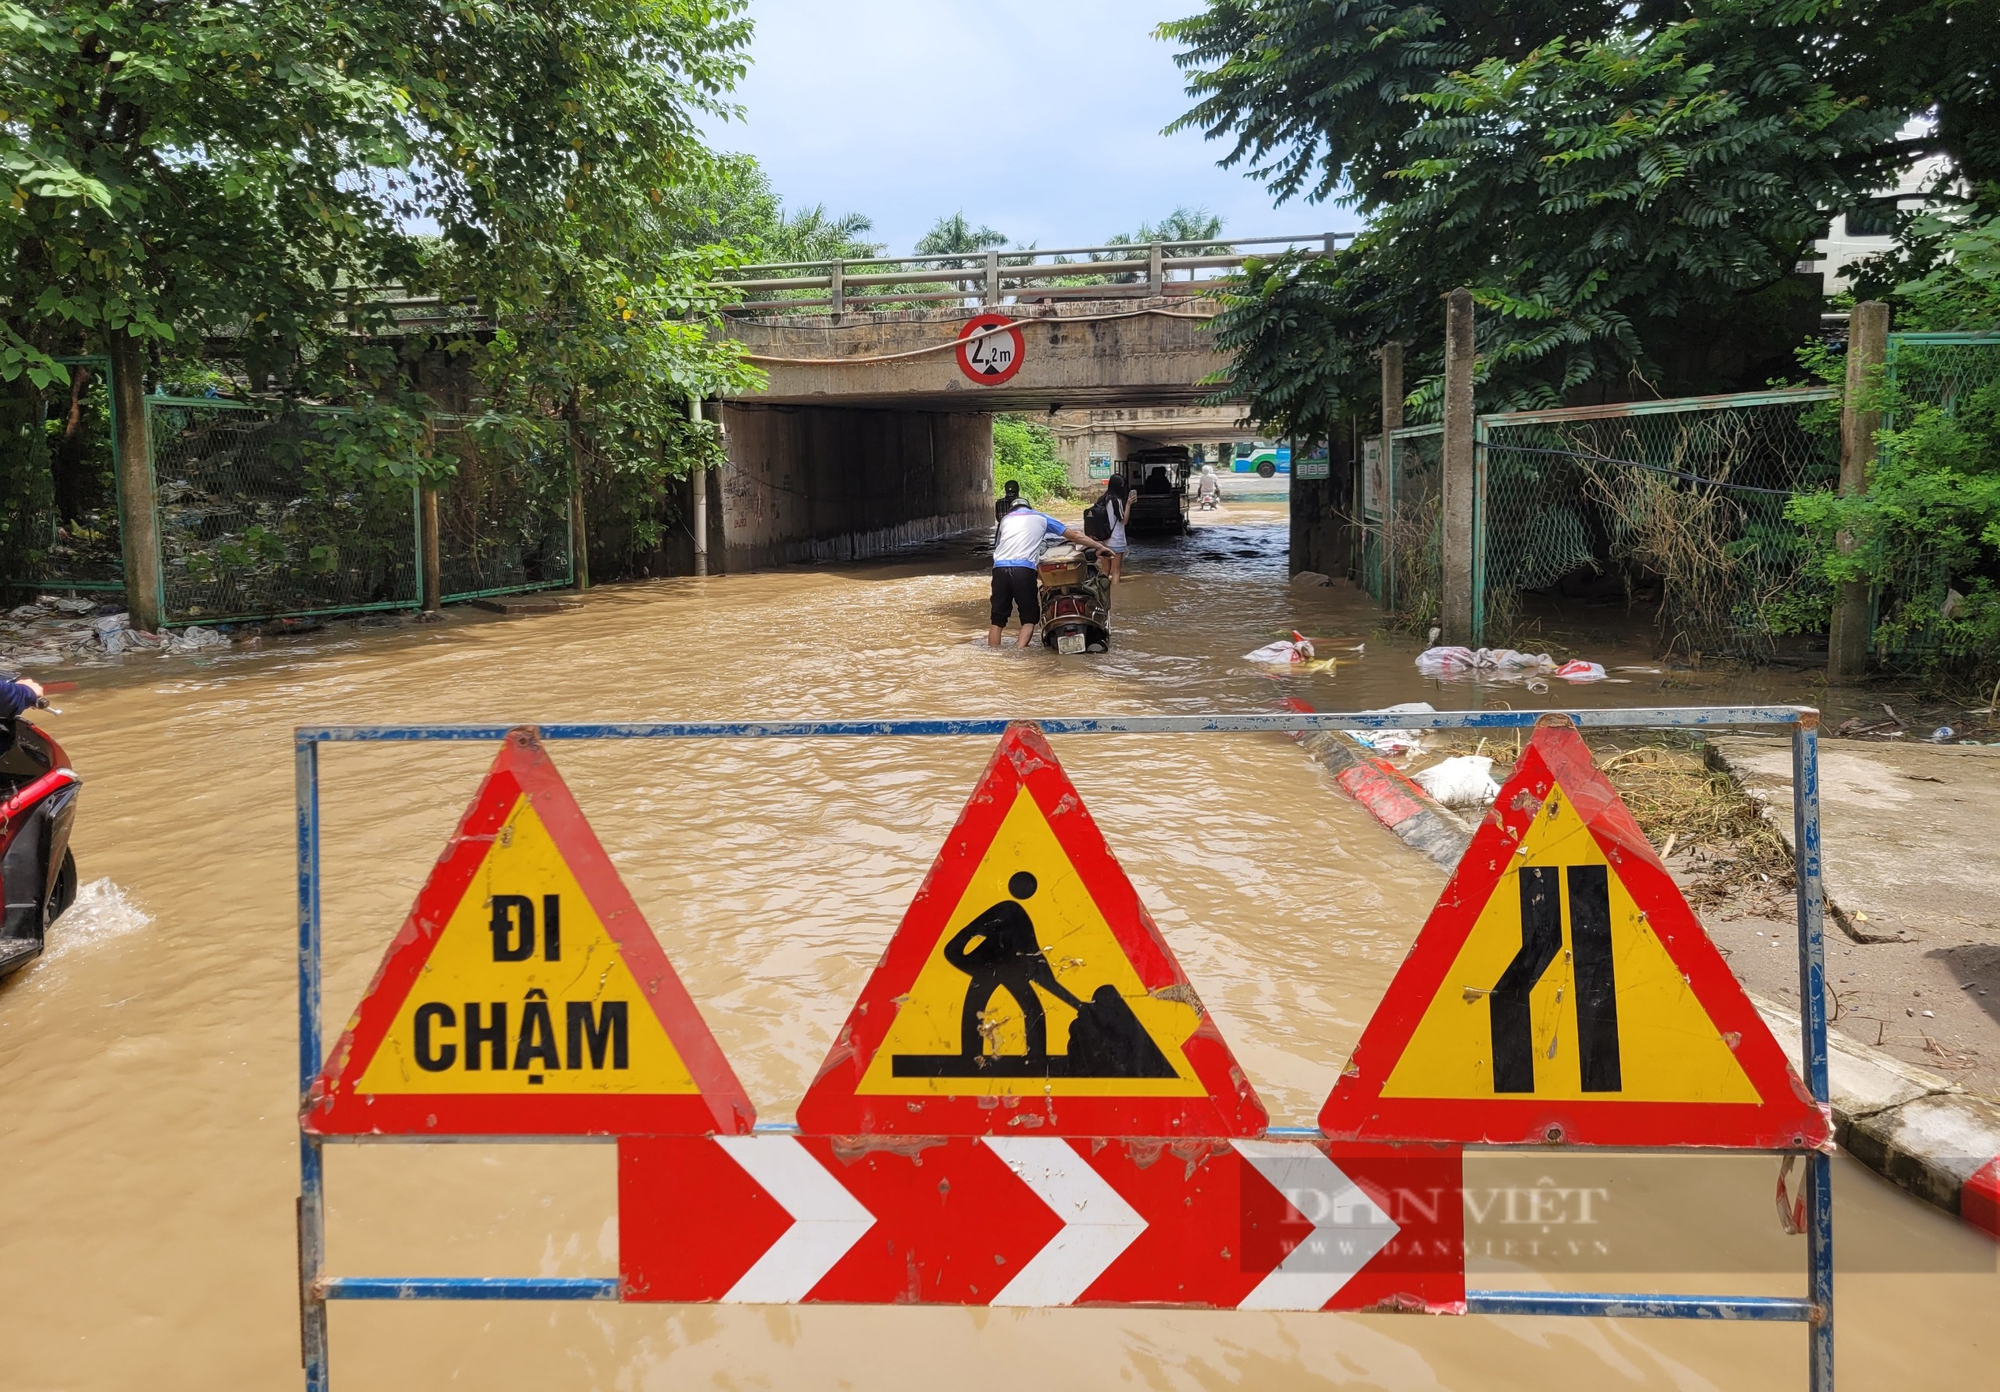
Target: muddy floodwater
x,y
147,1063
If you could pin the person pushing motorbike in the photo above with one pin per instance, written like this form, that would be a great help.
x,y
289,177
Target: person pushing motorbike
x,y
1017,545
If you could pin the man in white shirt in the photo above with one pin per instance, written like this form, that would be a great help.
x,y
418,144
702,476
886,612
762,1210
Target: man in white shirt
x,y
1017,546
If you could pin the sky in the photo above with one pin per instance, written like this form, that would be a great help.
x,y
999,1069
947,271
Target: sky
x,y
1040,118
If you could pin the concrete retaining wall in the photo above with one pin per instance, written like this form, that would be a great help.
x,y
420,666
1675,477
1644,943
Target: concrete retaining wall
x,y
816,483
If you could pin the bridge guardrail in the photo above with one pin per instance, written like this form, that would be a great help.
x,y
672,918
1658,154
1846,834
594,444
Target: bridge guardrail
x,y
1116,270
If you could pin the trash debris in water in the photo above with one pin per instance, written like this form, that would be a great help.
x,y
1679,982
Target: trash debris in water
x,y
1464,780
1298,648
1394,741
1941,734
1503,664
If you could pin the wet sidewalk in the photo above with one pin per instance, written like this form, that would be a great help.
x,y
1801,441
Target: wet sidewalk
x,y
1913,889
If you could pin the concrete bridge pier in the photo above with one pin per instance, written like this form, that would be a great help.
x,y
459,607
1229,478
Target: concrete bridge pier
x,y
839,483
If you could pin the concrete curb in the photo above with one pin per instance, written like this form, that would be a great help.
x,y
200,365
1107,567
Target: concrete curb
x,y
1919,1131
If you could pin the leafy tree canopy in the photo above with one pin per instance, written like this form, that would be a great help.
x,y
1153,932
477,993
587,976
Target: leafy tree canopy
x,y
1181,225
956,234
731,202
1612,180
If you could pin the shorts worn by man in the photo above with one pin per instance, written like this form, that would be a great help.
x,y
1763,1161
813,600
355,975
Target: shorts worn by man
x,y
1017,546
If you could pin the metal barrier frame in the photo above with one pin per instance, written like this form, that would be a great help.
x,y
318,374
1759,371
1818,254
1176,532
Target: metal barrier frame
x,y
1815,1309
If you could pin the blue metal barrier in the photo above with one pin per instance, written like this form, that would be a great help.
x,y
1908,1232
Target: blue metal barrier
x,y
1815,1309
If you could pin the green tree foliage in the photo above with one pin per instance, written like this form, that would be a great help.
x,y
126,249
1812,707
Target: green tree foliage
x,y
955,234
730,202
201,178
1614,181
1181,225
1024,452
1928,526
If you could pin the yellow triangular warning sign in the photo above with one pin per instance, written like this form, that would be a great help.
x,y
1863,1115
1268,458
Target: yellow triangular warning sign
x,y
1028,989
526,995
1562,990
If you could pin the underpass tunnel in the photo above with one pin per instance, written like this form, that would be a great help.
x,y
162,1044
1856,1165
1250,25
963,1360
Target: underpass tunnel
x,y
839,483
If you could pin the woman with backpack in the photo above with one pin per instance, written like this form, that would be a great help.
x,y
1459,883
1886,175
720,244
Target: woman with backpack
x,y
1117,504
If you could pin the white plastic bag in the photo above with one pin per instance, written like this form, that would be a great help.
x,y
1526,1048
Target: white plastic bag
x,y
193,638
1504,663
1298,649
1393,741
1464,780
1580,671
1438,662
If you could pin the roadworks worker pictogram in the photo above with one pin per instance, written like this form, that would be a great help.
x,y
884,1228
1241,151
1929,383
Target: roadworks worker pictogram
x,y
525,994
1027,988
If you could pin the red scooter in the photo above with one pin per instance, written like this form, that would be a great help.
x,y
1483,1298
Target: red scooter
x,y
38,791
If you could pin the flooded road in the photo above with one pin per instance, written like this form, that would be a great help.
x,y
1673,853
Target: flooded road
x,y
147,1085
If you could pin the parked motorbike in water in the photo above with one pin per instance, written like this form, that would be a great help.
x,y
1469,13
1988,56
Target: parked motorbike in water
x,y
1076,601
38,792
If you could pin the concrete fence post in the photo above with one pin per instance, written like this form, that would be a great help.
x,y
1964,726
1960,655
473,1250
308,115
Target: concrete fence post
x,y
992,277
1867,348
1156,271
1460,472
432,559
1392,421
698,485
836,292
138,503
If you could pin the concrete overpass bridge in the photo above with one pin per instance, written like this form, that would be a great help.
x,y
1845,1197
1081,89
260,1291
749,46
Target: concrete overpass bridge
x,y
874,427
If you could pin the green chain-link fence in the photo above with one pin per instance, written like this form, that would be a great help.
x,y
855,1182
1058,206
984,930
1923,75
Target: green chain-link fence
x,y
1942,369
59,527
1402,507
1686,494
262,515
504,517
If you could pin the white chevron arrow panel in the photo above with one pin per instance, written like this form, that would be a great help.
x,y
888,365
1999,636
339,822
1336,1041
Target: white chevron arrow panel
x,y
826,1220
1349,1228
1098,1224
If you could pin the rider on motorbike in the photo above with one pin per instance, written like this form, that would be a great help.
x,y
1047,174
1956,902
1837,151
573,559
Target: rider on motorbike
x,y
1208,491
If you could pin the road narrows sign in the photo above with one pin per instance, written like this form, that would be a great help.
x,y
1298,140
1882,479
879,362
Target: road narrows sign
x,y
1562,990
1027,991
990,358
525,994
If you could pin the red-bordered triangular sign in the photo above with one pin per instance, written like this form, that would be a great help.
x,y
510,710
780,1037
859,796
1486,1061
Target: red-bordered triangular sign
x,y
525,995
1028,992
1563,991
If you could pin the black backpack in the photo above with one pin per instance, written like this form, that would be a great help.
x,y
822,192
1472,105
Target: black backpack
x,y
1097,520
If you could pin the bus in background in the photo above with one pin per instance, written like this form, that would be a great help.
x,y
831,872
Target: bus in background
x,y
1263,460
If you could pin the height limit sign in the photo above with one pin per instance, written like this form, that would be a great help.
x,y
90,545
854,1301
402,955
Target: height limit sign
x,y
990,349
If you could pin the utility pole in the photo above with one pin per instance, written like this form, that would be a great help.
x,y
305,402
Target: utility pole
x,y
138,507
1867,348
1392,421
698,482
1460,480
